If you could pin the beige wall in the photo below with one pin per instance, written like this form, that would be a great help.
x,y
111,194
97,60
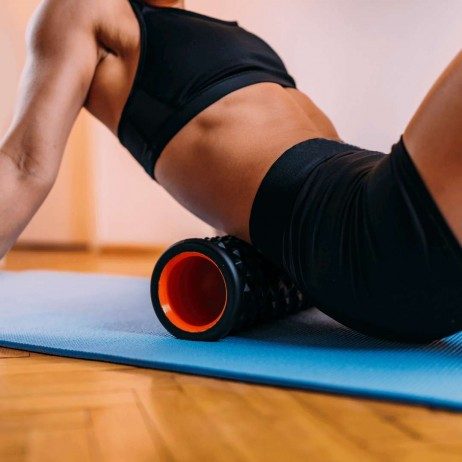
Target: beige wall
x,y
368,63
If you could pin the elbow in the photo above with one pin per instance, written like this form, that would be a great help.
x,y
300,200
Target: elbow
x,y
41,186
41,181
28,171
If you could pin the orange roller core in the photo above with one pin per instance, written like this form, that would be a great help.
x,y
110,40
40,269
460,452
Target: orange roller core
x,y
192,292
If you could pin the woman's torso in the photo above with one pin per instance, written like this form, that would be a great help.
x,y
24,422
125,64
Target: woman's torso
x,y
215,163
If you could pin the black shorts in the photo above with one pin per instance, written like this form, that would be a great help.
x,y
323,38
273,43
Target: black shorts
x,y
361,235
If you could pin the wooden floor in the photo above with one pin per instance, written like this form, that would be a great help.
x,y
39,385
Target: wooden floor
x,y
57,409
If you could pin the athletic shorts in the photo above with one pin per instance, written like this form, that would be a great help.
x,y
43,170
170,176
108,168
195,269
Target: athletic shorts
x,y
361,235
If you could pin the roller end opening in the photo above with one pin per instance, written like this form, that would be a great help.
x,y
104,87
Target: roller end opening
x,y
192,292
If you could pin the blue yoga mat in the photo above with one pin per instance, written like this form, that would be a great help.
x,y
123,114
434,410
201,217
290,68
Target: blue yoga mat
x,y
110,318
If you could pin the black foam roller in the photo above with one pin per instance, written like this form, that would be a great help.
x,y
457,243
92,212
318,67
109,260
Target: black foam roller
x,y
253,290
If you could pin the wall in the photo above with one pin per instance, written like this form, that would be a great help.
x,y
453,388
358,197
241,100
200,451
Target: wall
x,y
366,63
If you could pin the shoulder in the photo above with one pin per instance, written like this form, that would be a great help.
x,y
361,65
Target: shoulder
x,y
55,20
111,23
61,14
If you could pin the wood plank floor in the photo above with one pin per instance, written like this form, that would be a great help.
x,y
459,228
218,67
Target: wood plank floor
x,y
57,409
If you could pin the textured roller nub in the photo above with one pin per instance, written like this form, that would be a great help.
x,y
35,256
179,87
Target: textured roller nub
x,y
205,289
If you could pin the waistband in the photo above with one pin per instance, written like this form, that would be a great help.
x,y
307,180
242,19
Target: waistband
x,y
273,203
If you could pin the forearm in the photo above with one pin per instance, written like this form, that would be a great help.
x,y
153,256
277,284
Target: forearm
x,y
20,197
62,56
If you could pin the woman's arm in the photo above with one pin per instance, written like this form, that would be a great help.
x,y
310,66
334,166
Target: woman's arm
x,y
62,55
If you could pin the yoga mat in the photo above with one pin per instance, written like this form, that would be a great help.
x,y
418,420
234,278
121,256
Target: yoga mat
x,y
110,318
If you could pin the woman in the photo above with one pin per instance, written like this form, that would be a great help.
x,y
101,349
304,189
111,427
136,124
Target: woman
x,y
210,112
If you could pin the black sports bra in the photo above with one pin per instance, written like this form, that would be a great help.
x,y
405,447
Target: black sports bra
x,y
187,62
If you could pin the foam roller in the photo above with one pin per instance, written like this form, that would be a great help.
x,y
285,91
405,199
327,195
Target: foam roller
x,y
206,289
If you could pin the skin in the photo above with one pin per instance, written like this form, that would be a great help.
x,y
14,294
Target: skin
x,y
85,53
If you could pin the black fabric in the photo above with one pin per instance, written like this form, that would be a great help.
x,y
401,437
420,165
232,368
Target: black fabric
x,y
272,204
188,61
362,236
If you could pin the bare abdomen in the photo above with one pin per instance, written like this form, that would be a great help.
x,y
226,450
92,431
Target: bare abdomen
x,y
216,163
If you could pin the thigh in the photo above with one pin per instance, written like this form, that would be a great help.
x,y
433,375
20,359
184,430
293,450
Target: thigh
x,y
367,243
433,139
